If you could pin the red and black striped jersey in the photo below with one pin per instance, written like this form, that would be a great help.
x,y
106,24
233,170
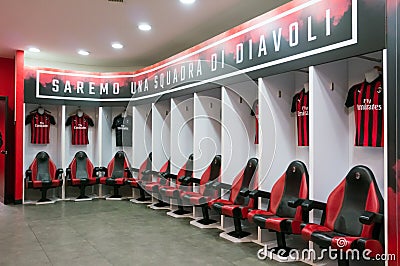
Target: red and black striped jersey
x,y
80,128
40,127
300,107
254,112
367,99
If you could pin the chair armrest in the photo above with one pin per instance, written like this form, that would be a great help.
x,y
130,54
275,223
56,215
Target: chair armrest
x,y
295,203
96,172
68,173
370,217
309,205
185,179
128,171
172,176
244,192
28,174
194,180
59,173
135,170
259,194
103,170
218,185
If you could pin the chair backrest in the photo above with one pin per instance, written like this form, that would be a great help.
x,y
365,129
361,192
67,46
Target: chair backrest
x,y
357,193
212,172
247,178
146,165
118,164
42,167
186,170
81,167
166,168
292,185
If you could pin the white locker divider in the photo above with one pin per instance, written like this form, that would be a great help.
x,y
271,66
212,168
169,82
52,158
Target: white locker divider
x,y
142,133
161,133
207,129
238,128
181,131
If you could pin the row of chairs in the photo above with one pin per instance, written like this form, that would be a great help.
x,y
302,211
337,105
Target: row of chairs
x,y
353,211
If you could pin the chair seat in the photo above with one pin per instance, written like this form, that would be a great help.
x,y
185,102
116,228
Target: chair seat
x,y
132,182
83,181
231,210
47,184
195,198
112,181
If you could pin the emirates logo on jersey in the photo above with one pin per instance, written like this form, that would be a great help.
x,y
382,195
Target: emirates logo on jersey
x,y
303,112
80,126
41,124
369,106
122,127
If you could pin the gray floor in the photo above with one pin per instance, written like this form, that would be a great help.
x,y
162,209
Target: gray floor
x,y
112,233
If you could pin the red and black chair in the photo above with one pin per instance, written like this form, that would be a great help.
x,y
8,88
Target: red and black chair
x,y
162,179
81,173
285,199
116,173
206,193
142,178
352,216
42,174
239,203
182,183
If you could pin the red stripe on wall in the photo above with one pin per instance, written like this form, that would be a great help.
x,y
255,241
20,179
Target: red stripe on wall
x,y
19,122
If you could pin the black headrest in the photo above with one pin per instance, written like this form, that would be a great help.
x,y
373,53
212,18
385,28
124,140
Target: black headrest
x,y
151,156
249,171
42,156
80,155
361,175
120,155
190,157
297,167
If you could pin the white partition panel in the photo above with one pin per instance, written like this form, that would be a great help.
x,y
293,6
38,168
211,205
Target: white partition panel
x,y
181,131
161,133
207,129
369,156
329,128
142,132
238,128
278,128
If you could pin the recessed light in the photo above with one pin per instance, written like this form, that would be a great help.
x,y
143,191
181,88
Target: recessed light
x,y
144,27
83,52
34,50
117,45
187,2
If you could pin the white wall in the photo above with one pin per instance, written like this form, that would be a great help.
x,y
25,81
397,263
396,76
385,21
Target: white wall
x,y
142,133
161,133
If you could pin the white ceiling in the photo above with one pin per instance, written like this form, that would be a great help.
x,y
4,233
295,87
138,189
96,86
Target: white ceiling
x,y
61,27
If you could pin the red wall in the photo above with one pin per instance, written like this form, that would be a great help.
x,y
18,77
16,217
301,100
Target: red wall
x,y
7,85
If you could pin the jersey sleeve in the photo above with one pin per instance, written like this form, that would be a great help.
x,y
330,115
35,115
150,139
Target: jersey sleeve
x,y
52,120
28,119
69,121
90,121
350,97
293,109
114,124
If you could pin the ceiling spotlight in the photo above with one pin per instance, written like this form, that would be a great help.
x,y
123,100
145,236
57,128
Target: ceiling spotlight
x,y
34,50
83,52
144,27
187,2
117,45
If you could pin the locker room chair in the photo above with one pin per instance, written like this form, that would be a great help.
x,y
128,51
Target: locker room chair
x,y
81,173
206,193
352,217
162,179
142,178
179,184
116,173
239,202
42,174
285,199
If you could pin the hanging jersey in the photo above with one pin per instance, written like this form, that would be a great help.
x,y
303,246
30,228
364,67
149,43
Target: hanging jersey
x,y
254,112
300,107
123,130
367,99
40,127
80,128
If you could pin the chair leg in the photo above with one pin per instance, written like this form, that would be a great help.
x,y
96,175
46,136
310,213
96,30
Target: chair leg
x,y
206,216
161,203
238,233
280,238
44,195
82,194
143,195
116,194
181,211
